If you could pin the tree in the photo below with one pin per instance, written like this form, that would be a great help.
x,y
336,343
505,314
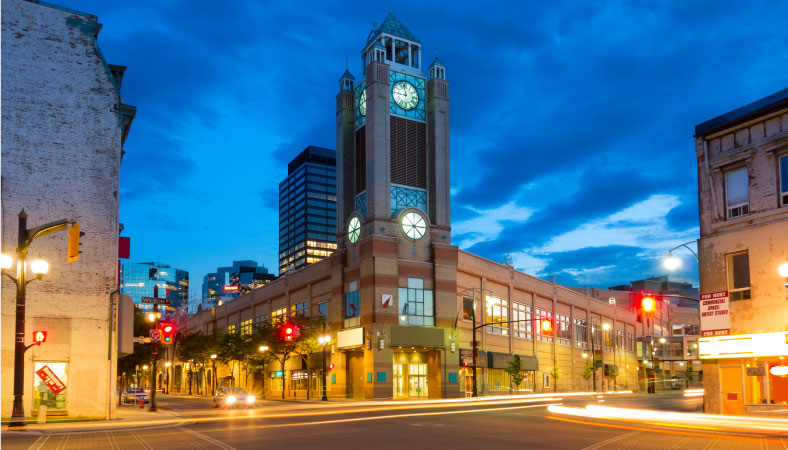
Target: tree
x,y
281,347
307,342
555,372
143,353
589,370
515,370
233,349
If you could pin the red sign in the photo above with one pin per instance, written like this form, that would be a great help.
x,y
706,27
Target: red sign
x,y
51,380
230,288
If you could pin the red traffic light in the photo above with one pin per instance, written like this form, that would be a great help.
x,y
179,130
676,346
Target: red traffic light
x,y
167,330
288,332
331,366
547,327
648,304
39,336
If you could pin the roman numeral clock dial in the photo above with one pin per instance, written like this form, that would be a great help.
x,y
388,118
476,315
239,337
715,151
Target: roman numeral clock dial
x,y
405,95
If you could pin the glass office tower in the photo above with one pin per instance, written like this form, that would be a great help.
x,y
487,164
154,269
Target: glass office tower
x,y
243,276
308,209
137,280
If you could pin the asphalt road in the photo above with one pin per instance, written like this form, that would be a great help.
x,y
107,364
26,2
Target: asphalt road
x,y
402,425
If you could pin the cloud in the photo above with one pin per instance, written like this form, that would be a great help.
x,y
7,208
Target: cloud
x,y
488,223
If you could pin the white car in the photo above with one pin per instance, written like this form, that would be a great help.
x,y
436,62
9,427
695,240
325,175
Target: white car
x,y
233,397
133,395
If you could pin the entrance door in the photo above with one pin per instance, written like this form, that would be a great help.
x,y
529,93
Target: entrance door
x,y
417,380
398,381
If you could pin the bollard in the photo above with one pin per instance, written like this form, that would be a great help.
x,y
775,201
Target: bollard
x,y
42,414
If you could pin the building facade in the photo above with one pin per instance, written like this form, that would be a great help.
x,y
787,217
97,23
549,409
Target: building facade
x,y
63,128
400,300
229,282
138,280
308,209
743,198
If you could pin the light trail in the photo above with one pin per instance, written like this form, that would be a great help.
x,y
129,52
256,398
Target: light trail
x,y
704,422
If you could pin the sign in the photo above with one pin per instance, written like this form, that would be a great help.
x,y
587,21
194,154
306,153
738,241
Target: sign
x,y
350,338
386,301
715,319
51,380
156,300
466,357
744,345
611,301
231,288
756,371
597,359
141,340
155,335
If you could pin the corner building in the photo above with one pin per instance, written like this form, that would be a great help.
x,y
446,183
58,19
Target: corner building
x,y
393,292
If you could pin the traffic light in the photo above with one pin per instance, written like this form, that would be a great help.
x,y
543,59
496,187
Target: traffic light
x,y
546,326
330,366
72,251
167,330
39,337
289,332
648,304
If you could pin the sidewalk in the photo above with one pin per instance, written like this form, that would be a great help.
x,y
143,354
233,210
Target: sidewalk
x,y
127,417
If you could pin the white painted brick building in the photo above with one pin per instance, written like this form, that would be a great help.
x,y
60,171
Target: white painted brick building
x,y
63,126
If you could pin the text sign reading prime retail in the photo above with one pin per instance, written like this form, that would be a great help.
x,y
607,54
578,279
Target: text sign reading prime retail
x,y
156,300
715,319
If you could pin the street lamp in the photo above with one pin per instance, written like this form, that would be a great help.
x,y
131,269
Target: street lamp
x,y
213,372
671,262
263,348
39,267
783,269
324,340
167,383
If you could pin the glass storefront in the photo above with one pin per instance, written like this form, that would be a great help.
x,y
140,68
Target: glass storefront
x,y
42,395
410,375
765,381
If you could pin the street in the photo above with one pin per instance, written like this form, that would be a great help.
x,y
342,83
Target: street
x,y
489,423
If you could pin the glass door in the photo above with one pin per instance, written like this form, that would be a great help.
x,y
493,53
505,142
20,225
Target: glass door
x,y
398,392
417,380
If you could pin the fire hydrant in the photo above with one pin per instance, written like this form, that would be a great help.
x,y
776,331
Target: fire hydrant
x,y
142,402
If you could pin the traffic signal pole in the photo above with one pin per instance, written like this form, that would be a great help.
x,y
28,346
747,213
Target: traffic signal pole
x,y
154,374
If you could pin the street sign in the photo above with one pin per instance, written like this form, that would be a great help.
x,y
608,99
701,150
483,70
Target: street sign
x,y
156,300
141,340
597,359
155,335
715,319
51,380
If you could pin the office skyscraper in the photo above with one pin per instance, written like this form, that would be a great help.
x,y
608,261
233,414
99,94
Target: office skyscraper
x,y
308,209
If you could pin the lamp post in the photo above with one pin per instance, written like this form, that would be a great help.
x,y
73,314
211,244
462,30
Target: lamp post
x,y
263,349
671,262
167,383
475,343
783,270
213,373
39,267
324,340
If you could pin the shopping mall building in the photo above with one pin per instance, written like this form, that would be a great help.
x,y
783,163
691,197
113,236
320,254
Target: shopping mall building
x,y
400,300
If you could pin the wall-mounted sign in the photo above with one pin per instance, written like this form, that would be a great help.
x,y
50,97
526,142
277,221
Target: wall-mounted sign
x,y
387,301
715,319
756,371
350,338
744,345
612,301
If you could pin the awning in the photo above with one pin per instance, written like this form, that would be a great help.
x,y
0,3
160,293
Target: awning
x,y
417,337
497,360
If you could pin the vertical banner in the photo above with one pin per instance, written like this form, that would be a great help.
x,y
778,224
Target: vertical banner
x,y
715,319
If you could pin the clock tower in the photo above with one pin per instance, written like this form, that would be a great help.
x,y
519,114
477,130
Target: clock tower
x,y
398,273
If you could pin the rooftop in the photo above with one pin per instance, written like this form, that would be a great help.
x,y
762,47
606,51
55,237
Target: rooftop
x,y
392,26
766,105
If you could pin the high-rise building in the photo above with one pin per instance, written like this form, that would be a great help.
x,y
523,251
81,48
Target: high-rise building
x,y
228,282
308,209
63,129
742,162
145,279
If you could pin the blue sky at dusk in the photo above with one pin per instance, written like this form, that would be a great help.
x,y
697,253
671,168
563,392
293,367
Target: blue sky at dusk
x,y
571,122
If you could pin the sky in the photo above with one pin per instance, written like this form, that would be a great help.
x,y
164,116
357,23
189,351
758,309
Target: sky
x,y
571,121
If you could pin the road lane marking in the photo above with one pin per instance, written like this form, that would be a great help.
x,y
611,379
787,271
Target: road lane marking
x,y
216,442
611,440
39,442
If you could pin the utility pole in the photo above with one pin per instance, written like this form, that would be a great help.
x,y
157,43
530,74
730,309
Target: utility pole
x,y
154,374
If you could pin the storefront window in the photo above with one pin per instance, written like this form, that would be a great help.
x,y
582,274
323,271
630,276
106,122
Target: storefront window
x,y
765,381
42,395
497,312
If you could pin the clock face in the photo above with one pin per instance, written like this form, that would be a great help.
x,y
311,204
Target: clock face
x,y
362,103
414,225
405,95
353,229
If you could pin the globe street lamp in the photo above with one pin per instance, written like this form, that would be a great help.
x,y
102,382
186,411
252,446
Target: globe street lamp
x,y
783,269
671,262
39,267
324,340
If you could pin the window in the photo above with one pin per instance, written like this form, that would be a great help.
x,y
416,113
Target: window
x,y
521,317
621,342
563,329
231,329
540,316
299,309
739,276
322,309
260,320
784,180
416,304
680,329
352,305
737,193
467,308
246,327
596,336
497,311
581,333
401,52
278,316
608,339
631,343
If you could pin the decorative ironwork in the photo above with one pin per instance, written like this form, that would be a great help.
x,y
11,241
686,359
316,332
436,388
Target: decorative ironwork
x,y
404,197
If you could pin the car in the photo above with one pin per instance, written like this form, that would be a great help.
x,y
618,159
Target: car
x,y
133,395
233,397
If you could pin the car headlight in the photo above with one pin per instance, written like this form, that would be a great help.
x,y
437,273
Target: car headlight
x,y
250,399
230,399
